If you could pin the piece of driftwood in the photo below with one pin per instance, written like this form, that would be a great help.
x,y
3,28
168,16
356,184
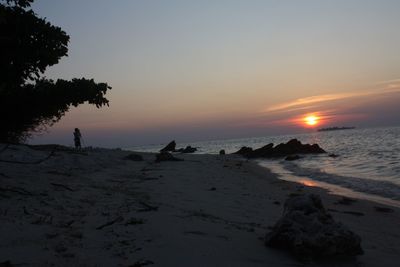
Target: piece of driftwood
x,y
26,212
20,191
68,224
29,162
63,186
118,219
4,175
147,207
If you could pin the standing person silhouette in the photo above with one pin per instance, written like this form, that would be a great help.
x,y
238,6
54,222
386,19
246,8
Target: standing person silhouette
x,y
77,138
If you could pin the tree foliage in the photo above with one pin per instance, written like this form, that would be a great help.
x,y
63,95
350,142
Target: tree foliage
x,y
28,102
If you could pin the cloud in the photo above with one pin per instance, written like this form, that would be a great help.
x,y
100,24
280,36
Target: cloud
x,y
393,81
392,86
301,102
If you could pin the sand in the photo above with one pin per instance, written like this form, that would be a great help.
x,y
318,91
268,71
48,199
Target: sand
x,y
94,208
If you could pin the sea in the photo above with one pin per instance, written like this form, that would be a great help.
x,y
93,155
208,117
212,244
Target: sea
x,y
367,165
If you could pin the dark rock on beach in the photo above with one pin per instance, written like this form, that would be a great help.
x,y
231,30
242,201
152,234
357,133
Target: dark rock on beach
x,y
170,147
187,149
308,231
292,147
262,152
165,156
222,152
244,151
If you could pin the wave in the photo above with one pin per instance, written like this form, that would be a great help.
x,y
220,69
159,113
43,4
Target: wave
x,y
384,189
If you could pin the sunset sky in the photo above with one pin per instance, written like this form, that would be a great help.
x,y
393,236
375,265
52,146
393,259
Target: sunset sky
x,y
203,70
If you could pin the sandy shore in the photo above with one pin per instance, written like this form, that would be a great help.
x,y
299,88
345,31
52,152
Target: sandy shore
x,y
95,208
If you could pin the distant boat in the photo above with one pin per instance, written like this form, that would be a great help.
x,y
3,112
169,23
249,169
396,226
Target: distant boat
x,y
335,129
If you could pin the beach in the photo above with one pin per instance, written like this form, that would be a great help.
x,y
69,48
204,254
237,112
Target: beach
x,y
95,207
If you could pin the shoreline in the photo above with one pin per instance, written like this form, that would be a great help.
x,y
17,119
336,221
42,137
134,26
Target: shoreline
x,y
96,208
331,188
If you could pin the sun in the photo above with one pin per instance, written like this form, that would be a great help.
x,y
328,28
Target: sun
x,y
311,120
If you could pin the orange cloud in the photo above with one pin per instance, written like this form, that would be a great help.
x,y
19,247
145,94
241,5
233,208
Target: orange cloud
x,y
392,86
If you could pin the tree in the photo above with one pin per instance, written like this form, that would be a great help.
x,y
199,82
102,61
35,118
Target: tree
x,y
29,102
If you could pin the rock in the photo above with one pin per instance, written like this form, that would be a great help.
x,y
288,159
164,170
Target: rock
x,y
187,149
316,149
292,147
244,151
333,155
292,157
222,152
308,231
134,157
165,156
262,152
170,147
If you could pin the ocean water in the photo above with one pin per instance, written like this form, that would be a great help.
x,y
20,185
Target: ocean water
x,y
367,166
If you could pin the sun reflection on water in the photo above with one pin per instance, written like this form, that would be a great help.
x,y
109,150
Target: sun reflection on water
x,y
308,182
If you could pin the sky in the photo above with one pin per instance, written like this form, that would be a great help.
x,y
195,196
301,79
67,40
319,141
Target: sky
x,y
204,70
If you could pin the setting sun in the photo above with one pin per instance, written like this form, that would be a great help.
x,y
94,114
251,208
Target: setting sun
x,y
311,120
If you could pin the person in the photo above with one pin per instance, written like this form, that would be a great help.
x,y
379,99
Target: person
x,y
77,138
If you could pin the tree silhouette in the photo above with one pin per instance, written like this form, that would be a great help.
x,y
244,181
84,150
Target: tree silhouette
x,y
28,102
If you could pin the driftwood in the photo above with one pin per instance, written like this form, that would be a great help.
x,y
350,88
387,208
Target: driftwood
x,y
68,224
25,162
26,212
4,175
147,207
20,191
118,219
63,186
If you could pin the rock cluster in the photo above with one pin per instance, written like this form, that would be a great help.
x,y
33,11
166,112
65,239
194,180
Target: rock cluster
x,y
171,147
187,149
308,231
292,147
